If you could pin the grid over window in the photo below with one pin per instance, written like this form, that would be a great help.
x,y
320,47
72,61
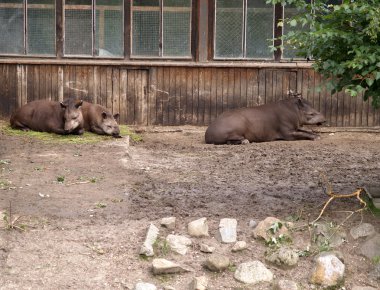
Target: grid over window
x,y
161,28
37,37
104,18
243,29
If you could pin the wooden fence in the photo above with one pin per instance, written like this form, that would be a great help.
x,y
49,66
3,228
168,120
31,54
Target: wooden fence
x,y
175,95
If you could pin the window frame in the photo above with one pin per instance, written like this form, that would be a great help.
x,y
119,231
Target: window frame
x,y
161,44
244,34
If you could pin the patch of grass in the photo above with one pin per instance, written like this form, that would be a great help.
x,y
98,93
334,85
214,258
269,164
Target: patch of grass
x,y
5,161
5,184
376,260
87,137
100,205
60,179
161,247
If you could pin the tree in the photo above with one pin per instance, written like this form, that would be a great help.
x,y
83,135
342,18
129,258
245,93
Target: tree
x,y
342,39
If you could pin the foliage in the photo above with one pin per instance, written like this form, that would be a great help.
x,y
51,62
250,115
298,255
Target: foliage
x,y
344,41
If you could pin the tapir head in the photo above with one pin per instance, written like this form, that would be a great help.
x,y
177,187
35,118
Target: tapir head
x,y
309,115
72,114
109,124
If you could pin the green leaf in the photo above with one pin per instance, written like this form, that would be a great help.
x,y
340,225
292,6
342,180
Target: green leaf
x,y
293,23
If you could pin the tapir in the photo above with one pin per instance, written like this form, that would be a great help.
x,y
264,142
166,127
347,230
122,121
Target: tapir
x,y
99,120
49,116
280,120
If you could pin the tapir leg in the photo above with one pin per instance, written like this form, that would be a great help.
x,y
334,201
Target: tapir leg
x,y
301,135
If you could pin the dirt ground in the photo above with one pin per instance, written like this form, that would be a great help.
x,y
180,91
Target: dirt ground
x,y
86,207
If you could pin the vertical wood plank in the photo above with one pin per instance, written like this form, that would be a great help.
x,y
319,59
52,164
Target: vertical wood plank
x,y
123,96
269,86
19,85
61,85
115,91
262,87
207,96
24,85
189,96
213,95
183,95
152,101
97,83
243,88
177,95
109,88
201,97
252,88
166,97
225,90
90,84
131,96
236,86
103,87
219,92
195,96
160,96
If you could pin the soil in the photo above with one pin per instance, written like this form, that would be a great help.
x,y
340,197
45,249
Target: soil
x,y
86,207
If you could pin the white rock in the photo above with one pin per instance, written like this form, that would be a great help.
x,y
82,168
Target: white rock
x,y
151,237
163,266
178,243
168,222
145,286
252,273
227,230
239,246
198,228
206,248
286,285
199,283
328,271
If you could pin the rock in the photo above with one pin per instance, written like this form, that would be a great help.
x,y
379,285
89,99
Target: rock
x,y
198,228
227,230
262,230
178,244
371,247
252,224
151,237
327,235
282,256
285,285
145,286
328,271
206,248
362,230
239,246
252,273
199,283
375,273
217,263
163,266
168,222
363,288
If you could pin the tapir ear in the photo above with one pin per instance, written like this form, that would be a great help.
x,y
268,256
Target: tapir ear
x,y
78,104
104,115
299,101
63,106
116,116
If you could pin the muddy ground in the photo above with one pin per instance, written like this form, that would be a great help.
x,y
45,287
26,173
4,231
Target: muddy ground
x,y
86,207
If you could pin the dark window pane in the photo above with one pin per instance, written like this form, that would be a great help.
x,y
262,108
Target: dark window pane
x,y
12,27
259,29
78,27
176,28
41,27
229,28
109,29
146,29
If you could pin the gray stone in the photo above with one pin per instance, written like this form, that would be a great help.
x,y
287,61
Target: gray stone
x,y
283,256
198,228
227,230
145,286
252,224
328,271
239,246
178,244
375,273
199,283
362,230
163,266
168,222
371,247
252,273
285,285
217,263
262,230
151,237
332,236
363,288
207,249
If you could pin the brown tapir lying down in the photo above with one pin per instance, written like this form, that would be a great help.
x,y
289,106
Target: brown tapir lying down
x,y
49,116
99,120
281,120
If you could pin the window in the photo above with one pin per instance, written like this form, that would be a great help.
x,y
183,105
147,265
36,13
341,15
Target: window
x,y
243,29
94,28
27,27
161,28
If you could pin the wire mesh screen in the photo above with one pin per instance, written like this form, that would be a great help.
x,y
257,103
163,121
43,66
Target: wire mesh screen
x,y
289,51
176,28
229,28
41,27
78,27
259,29
146,28
12,27
109,29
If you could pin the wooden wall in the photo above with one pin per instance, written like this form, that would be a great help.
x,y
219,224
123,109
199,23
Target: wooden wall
x,y
175,95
